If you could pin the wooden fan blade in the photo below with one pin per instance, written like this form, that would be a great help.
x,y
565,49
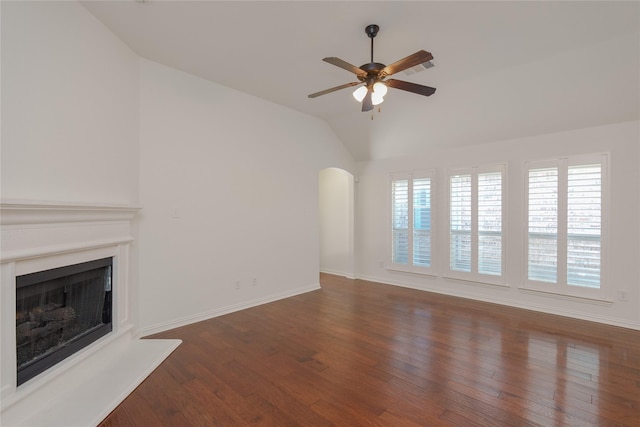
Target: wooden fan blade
x,y
345,65
410,61
367,104
411,87
333,89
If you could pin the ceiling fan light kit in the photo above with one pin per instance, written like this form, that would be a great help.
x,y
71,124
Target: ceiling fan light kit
x,y
372,76
359,93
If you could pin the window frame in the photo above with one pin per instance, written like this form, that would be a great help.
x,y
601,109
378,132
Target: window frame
x,y
410,267
561,285
474,275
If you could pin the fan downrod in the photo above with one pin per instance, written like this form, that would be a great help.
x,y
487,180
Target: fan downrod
x,y
372,31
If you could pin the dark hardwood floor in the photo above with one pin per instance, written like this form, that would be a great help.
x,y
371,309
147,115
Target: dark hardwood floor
x,y
358,353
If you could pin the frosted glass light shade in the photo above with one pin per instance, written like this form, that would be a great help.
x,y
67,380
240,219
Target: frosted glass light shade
x,y
376,98
380,89
360,93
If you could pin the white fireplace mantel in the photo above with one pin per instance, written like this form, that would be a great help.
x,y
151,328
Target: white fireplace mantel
x,y
33,229
37,236
17,211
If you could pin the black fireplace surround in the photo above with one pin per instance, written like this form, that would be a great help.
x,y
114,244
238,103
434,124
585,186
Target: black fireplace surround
x,y
59,312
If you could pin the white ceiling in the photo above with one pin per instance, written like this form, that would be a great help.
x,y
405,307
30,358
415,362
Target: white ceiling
x,y
502,70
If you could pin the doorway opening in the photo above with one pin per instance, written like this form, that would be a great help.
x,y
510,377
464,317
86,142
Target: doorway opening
x,y
336,190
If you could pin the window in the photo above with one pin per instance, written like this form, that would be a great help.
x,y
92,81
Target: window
x,y
476,211
411,222
565,206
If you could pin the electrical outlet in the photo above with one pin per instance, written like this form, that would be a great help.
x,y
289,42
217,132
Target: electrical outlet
x,y
622,295
237,284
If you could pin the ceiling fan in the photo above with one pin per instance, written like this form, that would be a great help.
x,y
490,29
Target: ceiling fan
x,y
373,76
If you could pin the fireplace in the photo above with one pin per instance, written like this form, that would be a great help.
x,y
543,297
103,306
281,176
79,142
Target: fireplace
x,y
68,287
59,312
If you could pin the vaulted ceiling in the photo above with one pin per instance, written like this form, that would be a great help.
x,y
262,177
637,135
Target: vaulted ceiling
x,y
503,70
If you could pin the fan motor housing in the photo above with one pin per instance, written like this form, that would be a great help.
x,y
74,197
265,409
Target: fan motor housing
x,y
372,67
373,71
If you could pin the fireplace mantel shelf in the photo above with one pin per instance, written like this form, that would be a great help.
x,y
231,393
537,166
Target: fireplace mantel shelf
x,y
33,216
15,211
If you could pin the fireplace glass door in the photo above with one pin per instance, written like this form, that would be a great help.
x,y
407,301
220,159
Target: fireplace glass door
x,y
59,312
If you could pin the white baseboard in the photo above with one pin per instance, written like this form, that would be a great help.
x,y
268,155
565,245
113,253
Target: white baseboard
x,y
510,303
338,273
199,317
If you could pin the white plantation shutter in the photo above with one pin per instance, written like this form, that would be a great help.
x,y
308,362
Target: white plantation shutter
x,y
412,228
490,223
543,224
422,222
584,220
460,222
400,220
565,225
476,209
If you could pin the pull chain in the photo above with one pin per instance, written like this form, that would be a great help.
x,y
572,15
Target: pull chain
x,y
372,111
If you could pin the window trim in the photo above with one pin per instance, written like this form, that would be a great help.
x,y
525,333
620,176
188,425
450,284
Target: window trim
x,y
410,267
474,276
561,287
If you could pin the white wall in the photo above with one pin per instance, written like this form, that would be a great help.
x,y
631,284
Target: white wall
x,y
229,189
69,107
70,92
337,222
620,140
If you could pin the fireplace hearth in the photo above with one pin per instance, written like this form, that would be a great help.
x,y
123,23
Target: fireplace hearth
x,y
59,312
